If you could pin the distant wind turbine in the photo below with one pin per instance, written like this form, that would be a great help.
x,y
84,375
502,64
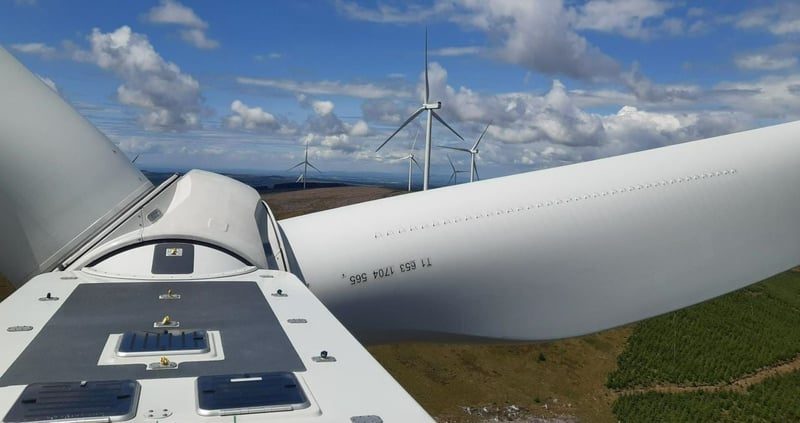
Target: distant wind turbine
x,y
429,107
305,164
473,169
454,175
411,159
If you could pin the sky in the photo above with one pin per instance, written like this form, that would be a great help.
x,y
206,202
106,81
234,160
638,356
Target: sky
x,y
243,86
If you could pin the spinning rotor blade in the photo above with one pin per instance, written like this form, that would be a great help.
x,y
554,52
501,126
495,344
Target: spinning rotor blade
x,y
410,118
436,115
314,167
414,144
475,147
299,164
427,88
451,163
455,148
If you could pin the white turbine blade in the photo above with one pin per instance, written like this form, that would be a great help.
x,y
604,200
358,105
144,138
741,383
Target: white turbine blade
x,y
451,163
427,87
436,115
61,180
564,251
414,144
410,118
416,162
314,167
466,150
475,147
299,164
455,172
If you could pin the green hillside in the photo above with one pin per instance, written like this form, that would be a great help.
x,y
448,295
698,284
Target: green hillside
x,y
735,358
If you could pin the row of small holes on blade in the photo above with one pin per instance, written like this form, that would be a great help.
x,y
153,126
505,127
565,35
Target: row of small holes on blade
x,y
694,178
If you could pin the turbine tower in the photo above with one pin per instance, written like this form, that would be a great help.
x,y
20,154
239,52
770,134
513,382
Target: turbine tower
x,y
454,175
473,169
305,164
429,107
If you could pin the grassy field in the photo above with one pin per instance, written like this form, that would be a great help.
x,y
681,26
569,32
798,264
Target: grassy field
x,y
718,341
555,379
773,400
732,359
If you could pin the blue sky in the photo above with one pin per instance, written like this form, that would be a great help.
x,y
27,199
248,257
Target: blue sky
x,y
245,85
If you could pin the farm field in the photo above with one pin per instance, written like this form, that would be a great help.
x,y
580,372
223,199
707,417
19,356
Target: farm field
x,y
735,358
715,342
773,400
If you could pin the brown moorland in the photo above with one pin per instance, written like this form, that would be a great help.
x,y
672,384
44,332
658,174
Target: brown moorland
x,y
560,380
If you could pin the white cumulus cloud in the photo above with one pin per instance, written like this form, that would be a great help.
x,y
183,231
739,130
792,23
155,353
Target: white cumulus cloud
x,y
249,117
359,129
625,17
257,119
359,90
169,99
764,62
171,12
39,49
322,108
197,38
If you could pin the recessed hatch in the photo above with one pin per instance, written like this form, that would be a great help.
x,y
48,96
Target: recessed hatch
x,y
114,400
249,393
165,341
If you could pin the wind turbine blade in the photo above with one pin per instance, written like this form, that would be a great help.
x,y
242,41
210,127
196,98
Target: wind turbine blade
x,y
436,115
89,189
136,158
416,162
474,147
410,118
455,148
427,87
299,164
451,163
601,260
314,167
414,144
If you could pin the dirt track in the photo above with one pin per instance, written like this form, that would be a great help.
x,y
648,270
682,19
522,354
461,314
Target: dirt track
x,y
739,385
296,203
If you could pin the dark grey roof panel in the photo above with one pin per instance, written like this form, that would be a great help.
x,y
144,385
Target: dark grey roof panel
x,y
70,344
